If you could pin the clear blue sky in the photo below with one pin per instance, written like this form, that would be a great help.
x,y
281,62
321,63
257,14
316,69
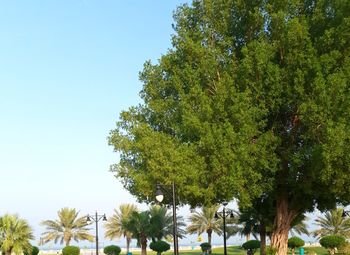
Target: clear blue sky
x,y
67,69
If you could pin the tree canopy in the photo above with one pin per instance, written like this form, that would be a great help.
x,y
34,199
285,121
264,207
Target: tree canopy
x,y
252,99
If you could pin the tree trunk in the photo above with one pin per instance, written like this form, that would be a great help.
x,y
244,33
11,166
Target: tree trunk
x,y
262,239
284,217
293,251
209,232
143,246
247,237
128,240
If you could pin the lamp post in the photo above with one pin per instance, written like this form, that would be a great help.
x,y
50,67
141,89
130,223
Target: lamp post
x,y
345,213
96,218
223,214
159,198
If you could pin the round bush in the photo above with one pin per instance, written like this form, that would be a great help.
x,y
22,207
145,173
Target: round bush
x,y
33,251
71,250
295,242
159,246
205,247
332,241
112,250
251,245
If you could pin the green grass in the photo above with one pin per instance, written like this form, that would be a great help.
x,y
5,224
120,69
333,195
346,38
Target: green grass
x,y
231,250
236,250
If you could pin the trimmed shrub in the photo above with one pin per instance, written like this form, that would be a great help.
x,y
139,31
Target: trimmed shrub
x,y
159,247
205,247
71,250
331,242
295,242
251,246
112,250
33,251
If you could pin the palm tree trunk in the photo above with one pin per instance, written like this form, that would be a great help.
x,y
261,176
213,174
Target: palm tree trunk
x,y
128,240
143,246
247,237
209,232
9,252
293,251
262,239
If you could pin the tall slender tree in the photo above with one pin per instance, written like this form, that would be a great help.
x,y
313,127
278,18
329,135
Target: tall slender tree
x,y
15,235
114,226
162,220
333,222
141,227
66,228
204,222
252,98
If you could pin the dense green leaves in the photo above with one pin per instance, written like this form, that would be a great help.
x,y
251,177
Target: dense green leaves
x,y
71,250
112,250
295,242
332,241
159,246
251,245
245,102
15,235
252,100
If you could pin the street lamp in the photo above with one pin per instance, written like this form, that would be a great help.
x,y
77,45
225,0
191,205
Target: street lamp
x,y
345,213
96,218
159,197
223,214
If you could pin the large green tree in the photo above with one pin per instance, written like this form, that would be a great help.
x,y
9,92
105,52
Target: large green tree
x,y
252,98
15,235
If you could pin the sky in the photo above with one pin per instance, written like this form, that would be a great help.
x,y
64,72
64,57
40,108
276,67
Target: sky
x,y
67,69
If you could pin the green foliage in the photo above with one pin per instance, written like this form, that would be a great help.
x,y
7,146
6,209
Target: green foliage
x,y
114,226
159,246
162,222
253,98
333,223
204,221
295,242
112,250
68,226
33,251
251,245
71,250
205,247
235,108
15,234
139,224
332,241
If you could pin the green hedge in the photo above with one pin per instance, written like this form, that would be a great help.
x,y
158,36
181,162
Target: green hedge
x,y
159,246
71,250
112,250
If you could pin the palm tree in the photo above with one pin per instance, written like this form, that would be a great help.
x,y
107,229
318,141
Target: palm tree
x,y
162,221
114,226
299,226
141,228
15,235
204,221
333,223
67,227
